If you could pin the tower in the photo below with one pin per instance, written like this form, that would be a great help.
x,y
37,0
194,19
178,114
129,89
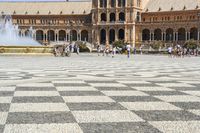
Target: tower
x,y
114,20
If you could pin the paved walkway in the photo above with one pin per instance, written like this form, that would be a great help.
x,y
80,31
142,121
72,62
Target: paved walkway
x,y
43,94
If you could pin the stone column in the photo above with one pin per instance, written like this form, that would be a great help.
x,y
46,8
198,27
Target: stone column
x,y
80,37
116,35
186,36
108,17
177,36
153,36
55,37
165,36
107,37
108,1
150,38
174,36
198,36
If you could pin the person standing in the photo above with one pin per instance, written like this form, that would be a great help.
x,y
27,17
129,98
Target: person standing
x,y
170,51
77,49
113,52
98,50
128,48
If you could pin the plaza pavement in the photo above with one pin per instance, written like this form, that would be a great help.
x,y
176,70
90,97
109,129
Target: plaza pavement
x,y
91,94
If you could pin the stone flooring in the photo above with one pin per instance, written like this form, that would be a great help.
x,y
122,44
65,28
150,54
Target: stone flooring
x,y
91,94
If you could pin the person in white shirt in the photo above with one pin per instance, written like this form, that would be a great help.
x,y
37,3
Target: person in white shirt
x,y
113,52
128,48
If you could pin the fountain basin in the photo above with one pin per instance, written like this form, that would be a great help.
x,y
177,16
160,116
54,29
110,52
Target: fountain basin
x,y
21,50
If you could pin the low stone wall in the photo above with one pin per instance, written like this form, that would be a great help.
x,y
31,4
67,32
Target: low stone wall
x,y
25,49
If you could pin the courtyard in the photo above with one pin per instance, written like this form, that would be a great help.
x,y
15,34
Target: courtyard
x,y
91,94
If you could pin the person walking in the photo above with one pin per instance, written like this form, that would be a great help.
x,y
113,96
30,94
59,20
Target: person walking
x,y
170,51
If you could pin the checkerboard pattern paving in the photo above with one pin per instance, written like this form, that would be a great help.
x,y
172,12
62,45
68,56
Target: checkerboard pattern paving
x,y
80,94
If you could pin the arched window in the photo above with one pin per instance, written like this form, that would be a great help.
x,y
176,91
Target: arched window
x,y
146,35
121,34
51,35
27,33
103,3
74,35
121,16
84,35
158,34
112,17
103,36
169,34
121,3
138,17
111,36
181,34
112,3
62,35
194,33
39,35
103,17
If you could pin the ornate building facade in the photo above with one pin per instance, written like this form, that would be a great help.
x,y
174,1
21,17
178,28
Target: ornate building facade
x,y
105,21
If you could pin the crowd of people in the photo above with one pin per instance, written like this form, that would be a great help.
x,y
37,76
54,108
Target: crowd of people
x,y
176,51
179,51
106,51
66,50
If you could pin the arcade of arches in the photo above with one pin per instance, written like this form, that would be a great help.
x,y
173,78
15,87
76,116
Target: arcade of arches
x,y
181,34
109,36
61,35
112,17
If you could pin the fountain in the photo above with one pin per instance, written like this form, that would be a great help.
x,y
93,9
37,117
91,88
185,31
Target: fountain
x,y
11,42
9,34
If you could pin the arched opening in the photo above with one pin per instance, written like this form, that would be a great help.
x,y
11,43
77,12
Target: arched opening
x,y
103,3
194,33
169,34
51,35
121,34
181,34
103,17
103,36
84,35
111,36
158,34
146,35
112,3
27,33
121,16
62,35
39,35
121,3
74,35
112,17
138,17
20,33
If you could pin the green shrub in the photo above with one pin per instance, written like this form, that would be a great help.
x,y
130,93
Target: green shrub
x,y
157,44
191,44
82,47
120,44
